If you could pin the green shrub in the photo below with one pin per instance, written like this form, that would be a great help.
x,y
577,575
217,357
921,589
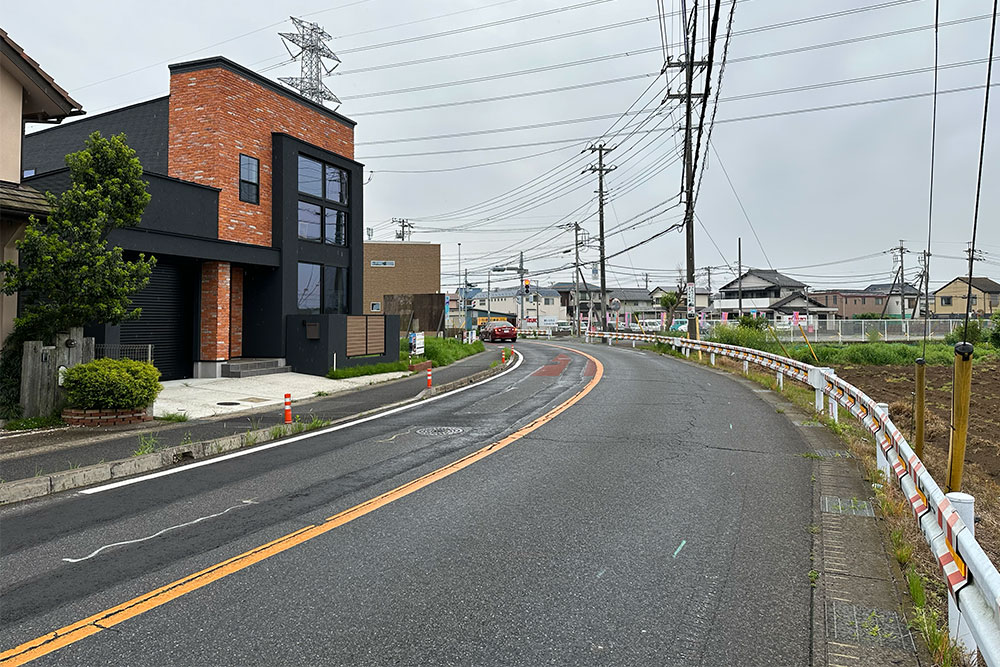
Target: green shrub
x,y
112,383
743,336
444,351
753,322
995,333
977,334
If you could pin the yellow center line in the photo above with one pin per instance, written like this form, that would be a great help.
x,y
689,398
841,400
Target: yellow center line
x,y
91,625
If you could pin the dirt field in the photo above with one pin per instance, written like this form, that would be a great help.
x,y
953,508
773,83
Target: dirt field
x,y
895,385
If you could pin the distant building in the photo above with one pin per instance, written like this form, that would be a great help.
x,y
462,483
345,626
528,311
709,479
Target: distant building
x,y
542,305
772,295
399,268
950,299
874,299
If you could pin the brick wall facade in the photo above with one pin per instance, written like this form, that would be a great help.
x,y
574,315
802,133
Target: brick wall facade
x,y
236,312
417,270
215,289
217,114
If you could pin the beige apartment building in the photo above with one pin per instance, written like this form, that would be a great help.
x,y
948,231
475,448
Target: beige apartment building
x,y
399,268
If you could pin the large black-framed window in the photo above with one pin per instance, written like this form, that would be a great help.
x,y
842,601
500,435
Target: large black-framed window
x,y
249,179
322,187
322,289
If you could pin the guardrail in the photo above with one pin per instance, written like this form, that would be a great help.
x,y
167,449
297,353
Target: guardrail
x,y
972,579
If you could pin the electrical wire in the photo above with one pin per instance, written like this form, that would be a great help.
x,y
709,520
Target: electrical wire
x,y
979,176
930,187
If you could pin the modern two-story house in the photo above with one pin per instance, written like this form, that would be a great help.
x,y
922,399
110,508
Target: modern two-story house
x,y
255,221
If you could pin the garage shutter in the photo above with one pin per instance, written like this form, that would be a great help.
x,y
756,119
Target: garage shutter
x,y
167,321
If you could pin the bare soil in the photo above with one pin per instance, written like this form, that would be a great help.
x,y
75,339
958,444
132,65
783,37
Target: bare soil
x,y
895,385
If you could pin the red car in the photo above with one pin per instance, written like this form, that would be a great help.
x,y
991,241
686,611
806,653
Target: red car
x,y
494,331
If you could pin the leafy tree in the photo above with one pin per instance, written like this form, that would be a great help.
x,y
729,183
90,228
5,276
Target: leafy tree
x,y
668,302
66,272
995,333
757,323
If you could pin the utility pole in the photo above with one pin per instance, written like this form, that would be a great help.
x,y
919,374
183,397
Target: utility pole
x,y
489,297
902,282
465,289
405,232
739,275
461,292
576,279
520,278
601,149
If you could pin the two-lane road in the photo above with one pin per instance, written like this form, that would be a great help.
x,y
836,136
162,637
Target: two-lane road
x,y
634,509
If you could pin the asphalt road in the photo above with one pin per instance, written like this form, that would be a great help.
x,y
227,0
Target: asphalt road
x,y
662,519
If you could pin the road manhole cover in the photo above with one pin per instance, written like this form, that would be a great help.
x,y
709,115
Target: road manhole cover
x,y
440,430
228,403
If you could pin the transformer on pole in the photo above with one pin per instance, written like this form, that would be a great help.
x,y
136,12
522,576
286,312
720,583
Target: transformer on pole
x,y
311,39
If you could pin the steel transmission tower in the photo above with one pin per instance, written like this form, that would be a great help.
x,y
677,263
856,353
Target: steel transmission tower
x,y
311,39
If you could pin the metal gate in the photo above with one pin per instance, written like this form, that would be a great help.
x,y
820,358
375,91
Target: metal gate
x,y
167,322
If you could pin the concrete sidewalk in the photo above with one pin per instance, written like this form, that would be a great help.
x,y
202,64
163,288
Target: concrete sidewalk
x,y
259,404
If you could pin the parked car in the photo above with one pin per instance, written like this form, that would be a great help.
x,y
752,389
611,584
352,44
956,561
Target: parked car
x,y
679,325
651,325
634,327
563,326
494,331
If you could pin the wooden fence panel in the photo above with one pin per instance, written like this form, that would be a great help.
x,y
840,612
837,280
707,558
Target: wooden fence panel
x,y
357,338
376,334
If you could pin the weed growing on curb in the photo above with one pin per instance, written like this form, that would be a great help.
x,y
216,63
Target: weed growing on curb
x,y
147,444
813,529
173,417
297,426
813,577
811,455
277,432
249,438
321,393
186,440
316,423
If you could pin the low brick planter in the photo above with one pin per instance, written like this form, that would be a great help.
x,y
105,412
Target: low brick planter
x,y
106,416
422,366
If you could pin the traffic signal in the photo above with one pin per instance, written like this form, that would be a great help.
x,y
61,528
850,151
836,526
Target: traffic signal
x,y
527,285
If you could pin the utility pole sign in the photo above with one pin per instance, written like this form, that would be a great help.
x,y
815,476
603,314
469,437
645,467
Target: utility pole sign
x,y
690,301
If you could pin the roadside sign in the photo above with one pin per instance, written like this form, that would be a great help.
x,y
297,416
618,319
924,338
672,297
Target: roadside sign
x,y
616,304
690,299
417,343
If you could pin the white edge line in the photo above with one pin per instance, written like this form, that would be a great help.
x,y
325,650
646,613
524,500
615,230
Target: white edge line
x,y
288,441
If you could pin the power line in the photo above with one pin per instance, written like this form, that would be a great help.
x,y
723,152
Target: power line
x,y
740,202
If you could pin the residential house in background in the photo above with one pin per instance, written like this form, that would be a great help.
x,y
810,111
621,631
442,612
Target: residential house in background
x,y
874,299
772,295
950,299
27,94
258,240
542,306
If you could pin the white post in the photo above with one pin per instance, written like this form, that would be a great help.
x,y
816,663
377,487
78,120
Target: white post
x,y
712,358
883,464
818,403
746,367
781,381
840,331
958,625
885,325
633,343
834,413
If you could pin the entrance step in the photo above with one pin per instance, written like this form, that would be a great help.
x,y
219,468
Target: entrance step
x,y
244,368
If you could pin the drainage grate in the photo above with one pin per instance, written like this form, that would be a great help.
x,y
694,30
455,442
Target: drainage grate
x,y
849,506
228,403
864,625
440,430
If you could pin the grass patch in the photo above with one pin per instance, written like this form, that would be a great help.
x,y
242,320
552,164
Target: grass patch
x,y
173,417
32,423
277,432
444,351
368,369
811,455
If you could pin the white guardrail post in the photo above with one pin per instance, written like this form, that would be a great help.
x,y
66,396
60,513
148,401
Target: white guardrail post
x,y
946,522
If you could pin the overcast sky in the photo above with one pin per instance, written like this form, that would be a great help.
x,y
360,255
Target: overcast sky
x,y
820,187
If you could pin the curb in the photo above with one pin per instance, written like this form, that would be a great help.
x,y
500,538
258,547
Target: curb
x,y
43,485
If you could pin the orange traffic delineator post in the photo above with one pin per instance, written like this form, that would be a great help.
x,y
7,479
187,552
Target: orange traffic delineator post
x,y
428,378
288,408
503,355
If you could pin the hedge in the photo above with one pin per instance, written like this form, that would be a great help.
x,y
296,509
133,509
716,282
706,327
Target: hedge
x,y
112,383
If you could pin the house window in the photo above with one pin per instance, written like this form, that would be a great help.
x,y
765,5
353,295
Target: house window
x,y
310,224
835,299
946,301
974,299
249,179
336,185
334,289
334,226
308,297
376,306
878,301
548,301
27,173
310,177
995,300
